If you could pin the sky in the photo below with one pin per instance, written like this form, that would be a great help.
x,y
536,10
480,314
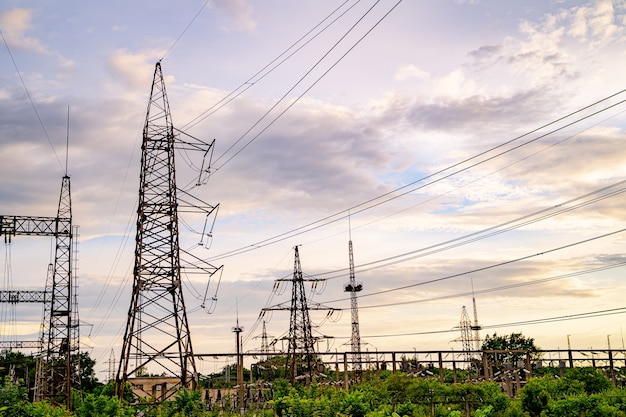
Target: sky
x,y
461,145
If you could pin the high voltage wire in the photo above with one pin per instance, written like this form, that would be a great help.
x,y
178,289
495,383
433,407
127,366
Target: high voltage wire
x,y
591,314
254,80
185,30
373,202
479,235
478,270
32,103
494,289
485,268
297,99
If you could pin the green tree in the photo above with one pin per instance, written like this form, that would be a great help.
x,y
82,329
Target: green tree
x,y
511,342
13,398
88,378
593,379
100,405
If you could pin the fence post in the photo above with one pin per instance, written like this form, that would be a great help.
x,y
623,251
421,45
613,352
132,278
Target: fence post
x,y
345,371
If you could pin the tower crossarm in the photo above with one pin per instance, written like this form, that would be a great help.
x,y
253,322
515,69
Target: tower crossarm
x,y
34,226
19,296
20,344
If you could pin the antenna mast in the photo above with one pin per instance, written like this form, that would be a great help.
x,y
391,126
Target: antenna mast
x,y
353,288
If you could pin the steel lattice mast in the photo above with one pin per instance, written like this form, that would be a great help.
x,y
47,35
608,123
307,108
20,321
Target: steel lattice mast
x,y
58,369
157,332
301,341
353,288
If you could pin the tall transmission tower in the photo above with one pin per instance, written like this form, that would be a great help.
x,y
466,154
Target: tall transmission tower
x,y
301,358
355,340
157,331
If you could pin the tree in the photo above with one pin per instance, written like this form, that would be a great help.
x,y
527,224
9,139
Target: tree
x,y
88,378
513,342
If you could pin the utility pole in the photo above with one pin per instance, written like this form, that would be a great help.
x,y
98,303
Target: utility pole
x,y
240,384
157,331
475,327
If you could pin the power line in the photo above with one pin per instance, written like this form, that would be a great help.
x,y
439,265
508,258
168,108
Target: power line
x,y
253,80
185,30
32,103
485,268
490,231
288,107
391,195
501,288
591,314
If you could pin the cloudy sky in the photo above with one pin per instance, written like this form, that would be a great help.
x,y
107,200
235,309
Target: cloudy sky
x,y
459,143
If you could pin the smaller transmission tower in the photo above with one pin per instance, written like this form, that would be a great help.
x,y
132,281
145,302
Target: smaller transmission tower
x,y
301,358
265,347
301,342
353,288
466,335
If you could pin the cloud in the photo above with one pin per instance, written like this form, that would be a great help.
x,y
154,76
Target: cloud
x,y
409,71
597,22
240,15
15,23
135,70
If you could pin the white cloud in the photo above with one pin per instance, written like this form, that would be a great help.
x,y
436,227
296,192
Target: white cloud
x,y
410,71
15,23
597,23
240,14
135,70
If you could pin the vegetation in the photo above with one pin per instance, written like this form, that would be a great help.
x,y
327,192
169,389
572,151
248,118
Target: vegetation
x,y
516,345
414,392
581,392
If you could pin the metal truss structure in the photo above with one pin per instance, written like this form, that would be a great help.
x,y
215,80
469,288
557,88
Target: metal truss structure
x,y
57,366
157,337
355,339
301,358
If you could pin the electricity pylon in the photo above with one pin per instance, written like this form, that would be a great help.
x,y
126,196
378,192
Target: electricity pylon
x,y
301,351
466,335
157,331
301,342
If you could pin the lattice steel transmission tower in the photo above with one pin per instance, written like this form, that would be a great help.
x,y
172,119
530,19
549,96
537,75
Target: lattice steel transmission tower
x,y
301,342
301,357
355,340
157,331
57,367
466,335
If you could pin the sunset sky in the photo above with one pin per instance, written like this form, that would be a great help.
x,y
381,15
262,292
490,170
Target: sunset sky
x,y
476,143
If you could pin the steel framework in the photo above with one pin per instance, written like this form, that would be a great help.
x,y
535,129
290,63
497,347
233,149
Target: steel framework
x,y
157,331
57,368
301,342
355,339
301,357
